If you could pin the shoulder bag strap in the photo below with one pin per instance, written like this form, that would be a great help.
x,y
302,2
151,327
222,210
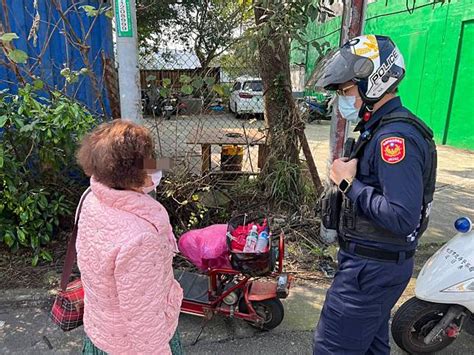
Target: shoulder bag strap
x,y
71,248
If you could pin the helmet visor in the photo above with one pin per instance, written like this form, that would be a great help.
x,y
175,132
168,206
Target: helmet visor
x,y
338,67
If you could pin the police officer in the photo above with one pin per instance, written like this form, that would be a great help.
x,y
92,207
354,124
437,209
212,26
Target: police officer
x,y
387,188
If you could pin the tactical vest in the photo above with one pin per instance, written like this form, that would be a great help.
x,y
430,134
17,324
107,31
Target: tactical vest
x,y
353,225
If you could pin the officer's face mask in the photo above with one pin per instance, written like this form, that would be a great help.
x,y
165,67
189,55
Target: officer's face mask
x,y
155,178
347,108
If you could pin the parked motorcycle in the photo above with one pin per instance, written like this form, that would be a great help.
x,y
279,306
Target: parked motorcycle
x,y
145,102
173,105
443,305
151,102
316,110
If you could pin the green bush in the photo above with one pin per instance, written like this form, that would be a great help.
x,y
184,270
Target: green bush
x,y
40,182
287,187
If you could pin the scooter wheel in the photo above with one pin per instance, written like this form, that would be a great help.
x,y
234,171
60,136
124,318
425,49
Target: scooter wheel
x,y
272,311
412,323
468,325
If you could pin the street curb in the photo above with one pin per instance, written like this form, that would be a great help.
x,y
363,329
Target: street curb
x,y
26,296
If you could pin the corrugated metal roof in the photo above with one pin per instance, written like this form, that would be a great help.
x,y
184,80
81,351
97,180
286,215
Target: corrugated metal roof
x,y
169,59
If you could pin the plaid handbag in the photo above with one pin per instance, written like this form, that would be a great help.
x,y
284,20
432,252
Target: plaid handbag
x,y
68,307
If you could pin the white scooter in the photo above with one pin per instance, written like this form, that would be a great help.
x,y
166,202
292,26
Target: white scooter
x,y
444,297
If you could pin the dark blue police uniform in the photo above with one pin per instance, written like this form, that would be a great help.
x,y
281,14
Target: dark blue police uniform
x,y
388,192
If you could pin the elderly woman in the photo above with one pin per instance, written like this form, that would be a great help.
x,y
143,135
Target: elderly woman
x,y
125,247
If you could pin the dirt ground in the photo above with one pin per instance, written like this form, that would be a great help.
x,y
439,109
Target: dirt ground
x,y
16,270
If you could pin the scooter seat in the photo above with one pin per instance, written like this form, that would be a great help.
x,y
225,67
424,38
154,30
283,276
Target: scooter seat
x,y
194,286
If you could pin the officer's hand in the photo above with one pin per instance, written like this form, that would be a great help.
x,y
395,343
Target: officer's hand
x,y
343,169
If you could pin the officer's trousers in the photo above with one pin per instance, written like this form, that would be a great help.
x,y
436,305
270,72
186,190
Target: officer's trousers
x,y
356,313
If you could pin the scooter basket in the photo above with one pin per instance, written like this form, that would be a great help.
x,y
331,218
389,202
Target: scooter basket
x,y
252,264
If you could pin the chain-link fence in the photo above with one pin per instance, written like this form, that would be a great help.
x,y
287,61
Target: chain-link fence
x,y
207,118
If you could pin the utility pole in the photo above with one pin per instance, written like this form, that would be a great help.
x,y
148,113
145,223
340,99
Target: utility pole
x,y
127,60
353,18
352,26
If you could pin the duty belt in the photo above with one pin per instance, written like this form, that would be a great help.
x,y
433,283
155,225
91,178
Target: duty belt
x,y
374,253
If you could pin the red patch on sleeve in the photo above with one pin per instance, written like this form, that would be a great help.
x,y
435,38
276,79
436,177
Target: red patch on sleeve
x,y
392,150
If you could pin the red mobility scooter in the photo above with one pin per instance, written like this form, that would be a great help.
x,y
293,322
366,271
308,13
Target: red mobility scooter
x,y
250,289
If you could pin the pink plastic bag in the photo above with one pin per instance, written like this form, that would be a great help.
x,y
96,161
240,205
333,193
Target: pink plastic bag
x,y
206,247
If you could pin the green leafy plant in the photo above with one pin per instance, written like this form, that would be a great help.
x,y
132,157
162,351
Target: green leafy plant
x,y
286,186
8,37
39,179
91,11
15,55
72,76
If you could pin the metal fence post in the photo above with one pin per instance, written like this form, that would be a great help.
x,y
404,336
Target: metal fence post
x,y
127,59
352,26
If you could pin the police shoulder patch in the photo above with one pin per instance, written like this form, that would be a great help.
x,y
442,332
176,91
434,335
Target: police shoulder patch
x,y
392,150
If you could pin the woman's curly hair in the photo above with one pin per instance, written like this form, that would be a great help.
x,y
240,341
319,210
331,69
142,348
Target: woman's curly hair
x,y
114,153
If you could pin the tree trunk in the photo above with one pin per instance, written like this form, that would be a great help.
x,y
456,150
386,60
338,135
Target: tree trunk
x,y
281,117
285,128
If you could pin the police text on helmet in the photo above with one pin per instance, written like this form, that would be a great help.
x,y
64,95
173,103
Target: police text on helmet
x,y
385,67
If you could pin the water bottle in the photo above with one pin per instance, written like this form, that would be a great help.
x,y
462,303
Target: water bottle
x,y
262,241
251,240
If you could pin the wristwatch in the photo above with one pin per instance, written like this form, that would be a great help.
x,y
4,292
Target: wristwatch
x,y
345,185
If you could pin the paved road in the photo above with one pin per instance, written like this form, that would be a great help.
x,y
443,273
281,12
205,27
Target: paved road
x,y
25,329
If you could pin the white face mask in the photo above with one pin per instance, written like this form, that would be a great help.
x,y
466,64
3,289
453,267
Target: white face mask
x,y
347,108
155,178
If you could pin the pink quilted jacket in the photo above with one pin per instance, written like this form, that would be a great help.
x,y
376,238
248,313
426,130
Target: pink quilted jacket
x,y
125,246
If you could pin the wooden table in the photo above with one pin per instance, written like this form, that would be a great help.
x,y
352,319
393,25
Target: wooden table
x,y
227,136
